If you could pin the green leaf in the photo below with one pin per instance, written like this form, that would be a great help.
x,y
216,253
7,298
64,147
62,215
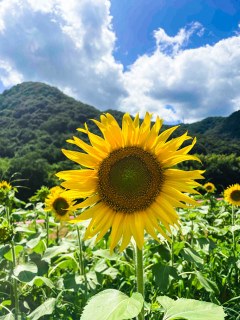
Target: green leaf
x,y
24,229
8,255
209,285
163,275
33,242
190,309
39,281
192,256
69,263
105,253
25,272
238,264
9,316
46,308
112,304
54,251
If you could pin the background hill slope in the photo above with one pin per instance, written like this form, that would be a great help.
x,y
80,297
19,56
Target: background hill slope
x,y
36,119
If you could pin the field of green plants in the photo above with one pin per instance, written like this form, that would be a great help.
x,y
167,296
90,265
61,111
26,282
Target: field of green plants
x,y
47,271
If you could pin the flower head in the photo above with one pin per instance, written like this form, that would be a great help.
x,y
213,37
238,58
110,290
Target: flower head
x,y
60,204
4,185
209,187
128,180
232,194
6,232
6,190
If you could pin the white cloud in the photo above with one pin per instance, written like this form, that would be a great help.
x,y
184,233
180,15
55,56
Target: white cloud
x,y
70,44
9,76
197,83
172,45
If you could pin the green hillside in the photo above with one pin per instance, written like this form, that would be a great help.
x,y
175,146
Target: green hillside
x,y
36,119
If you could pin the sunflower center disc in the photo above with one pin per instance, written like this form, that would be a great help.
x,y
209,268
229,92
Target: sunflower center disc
x,y
60,205
235,195
130,179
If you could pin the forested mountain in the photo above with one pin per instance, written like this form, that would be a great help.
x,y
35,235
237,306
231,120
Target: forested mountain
x,y
36,119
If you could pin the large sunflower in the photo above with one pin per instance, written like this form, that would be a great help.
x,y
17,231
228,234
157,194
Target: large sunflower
x,y
60,204
128,180
232,194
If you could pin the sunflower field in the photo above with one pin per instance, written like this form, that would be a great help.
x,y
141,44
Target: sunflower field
x,y
128,235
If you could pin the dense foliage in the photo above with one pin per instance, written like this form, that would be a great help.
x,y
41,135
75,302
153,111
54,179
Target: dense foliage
x,y
36,120
48,272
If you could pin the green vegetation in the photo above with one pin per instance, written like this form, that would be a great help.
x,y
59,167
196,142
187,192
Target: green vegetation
x,y
36,120
48,272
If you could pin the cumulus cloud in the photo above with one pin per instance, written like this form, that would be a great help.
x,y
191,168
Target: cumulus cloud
x,y
172,45
65,43
70,44
196,83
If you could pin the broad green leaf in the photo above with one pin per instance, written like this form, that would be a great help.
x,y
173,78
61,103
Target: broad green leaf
x,y
9,316
46,308
235,228
238,264
209,285
190,309
39,281
65,264
177,247
33,242
111,272
8,255
24,229
192,256
25,272
105,253
54,251
163,275
112,304
40,247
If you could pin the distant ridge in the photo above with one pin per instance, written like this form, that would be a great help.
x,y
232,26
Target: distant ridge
x,y
37,119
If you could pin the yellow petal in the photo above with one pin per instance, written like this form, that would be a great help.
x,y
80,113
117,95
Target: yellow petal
x,y
117,228
81,158
89,185
88,213
76,174
88,202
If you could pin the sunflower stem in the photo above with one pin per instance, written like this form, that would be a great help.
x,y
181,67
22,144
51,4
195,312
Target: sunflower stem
x,y
81,261
47,228
139,276
15,287
172,249
234,245
233,233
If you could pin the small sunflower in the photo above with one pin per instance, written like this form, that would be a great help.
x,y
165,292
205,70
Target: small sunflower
x,y
232,194
209,187
6,232
60,204
5,185
128,180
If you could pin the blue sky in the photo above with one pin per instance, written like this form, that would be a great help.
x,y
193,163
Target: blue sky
x,y
135,20
179,59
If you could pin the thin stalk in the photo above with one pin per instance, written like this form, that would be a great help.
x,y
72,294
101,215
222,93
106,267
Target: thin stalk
x,y
15,286
139,276
57,238
233,233
172,254
234,245
47,228
81,260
